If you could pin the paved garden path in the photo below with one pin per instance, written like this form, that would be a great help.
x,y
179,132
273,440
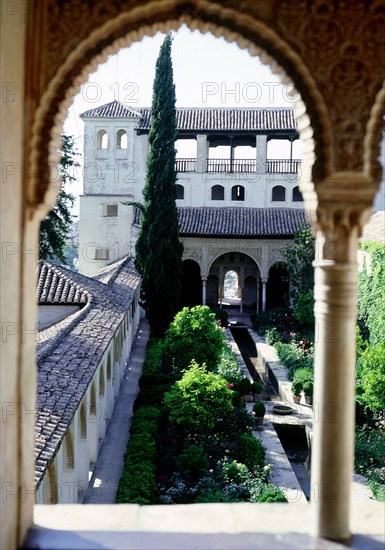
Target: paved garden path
x,y
109,465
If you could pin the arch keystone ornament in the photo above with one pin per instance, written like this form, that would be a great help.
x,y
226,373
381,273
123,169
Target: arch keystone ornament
x,y
345,201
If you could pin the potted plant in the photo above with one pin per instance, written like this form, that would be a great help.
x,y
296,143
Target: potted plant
x,y
296,388
256,390
245,389
308,391
258,412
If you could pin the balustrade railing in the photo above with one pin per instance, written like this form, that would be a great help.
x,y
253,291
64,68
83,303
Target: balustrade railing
x,y
185,165
282,166
240,166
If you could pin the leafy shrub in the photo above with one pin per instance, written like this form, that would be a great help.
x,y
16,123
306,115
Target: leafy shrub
x,y
308,388
371,295
303,311
154,354
250,451
155,379
232,471
279,318
370,457
236,421
297,387
197,400
194,335
221,315
228,366
138,481
257,387
371,377
272,336
271,493
193,462
304,374
243,386
259,409
151,395
293,357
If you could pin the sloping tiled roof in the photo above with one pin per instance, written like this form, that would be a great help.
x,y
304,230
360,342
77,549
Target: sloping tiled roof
x,y
68,358
237,222
55,287
235,119
115,109
203,119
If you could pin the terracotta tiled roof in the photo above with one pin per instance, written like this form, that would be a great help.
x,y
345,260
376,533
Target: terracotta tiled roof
x,y
55,287
237,222
115,109
69,353
203,119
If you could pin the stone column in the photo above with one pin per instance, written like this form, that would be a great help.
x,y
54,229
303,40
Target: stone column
x,y
261,153
202,153
338,227
204,288
264,281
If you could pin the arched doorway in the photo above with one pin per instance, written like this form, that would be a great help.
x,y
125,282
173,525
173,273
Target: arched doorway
x,y
277,286
237,278
191,283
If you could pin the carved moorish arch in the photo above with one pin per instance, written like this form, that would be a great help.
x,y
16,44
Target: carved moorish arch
x,y
132,26
373,137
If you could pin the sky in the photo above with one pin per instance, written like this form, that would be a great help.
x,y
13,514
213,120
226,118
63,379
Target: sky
x,y
228,77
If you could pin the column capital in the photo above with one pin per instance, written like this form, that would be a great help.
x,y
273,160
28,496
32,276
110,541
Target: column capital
x,y
344,204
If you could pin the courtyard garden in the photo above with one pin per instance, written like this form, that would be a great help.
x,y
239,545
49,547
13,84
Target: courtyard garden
x,y
191,439
291,332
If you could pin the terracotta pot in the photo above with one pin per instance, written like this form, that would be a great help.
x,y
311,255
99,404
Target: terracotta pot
x,y
297,399
256,397
258,423
309,399
246,397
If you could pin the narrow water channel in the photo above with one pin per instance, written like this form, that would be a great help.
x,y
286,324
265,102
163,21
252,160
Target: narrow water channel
x,y
293,437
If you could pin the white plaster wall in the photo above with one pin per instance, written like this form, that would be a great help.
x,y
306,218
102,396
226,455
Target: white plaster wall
x,y
97,230
115,175
379,199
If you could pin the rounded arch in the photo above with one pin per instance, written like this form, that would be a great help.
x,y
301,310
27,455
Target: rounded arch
x,y
93,399
278,193
83,420
237,193
230,250
53,485
69,447
179,191
131,26
102,386
121,139
217,193
191,283
296,194
102,139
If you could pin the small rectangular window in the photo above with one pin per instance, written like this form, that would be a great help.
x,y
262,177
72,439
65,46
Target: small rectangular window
x,y
110,210
102,254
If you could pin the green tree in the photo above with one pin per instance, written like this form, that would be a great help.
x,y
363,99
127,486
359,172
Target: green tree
x,y
299,258
55,228
194,334
158,253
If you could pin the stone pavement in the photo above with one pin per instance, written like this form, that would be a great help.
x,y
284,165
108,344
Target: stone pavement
x,y
109,465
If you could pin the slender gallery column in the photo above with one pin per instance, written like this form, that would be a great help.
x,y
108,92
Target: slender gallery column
x,y
264,281
204,289
336,271
202,153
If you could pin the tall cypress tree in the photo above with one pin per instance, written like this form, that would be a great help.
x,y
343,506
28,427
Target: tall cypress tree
x,y
158,248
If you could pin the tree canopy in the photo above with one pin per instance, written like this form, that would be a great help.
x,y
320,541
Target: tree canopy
x,y
158,253
56,227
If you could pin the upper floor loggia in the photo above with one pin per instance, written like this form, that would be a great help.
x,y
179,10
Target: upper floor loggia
x,y
224,156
